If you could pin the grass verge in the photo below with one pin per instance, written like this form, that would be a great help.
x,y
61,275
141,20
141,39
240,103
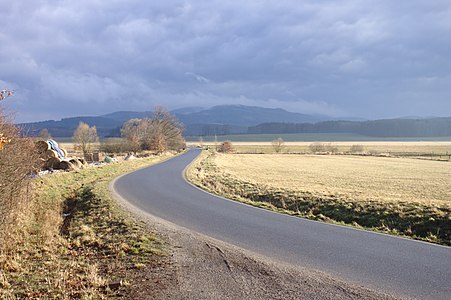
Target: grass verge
x,y
73,241
410,219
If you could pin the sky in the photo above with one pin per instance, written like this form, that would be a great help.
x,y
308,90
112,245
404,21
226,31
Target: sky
x,y
349,58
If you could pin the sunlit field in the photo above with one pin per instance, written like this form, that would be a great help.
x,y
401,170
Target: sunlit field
x,y
355,177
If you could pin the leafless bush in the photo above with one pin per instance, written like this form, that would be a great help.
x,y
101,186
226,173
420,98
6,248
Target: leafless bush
x,y
323,148
18,159
317,147
225,147
278,144
331,148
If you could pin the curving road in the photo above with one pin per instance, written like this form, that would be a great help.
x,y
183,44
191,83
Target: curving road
x,y
385,263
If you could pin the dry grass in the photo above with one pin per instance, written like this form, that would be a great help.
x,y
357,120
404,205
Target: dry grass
x,y
72,241
404,196
352,177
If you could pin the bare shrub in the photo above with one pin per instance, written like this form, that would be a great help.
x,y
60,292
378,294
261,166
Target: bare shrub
x,y
225,147
357,148
323,148
18,159
278,144
331,148
317,147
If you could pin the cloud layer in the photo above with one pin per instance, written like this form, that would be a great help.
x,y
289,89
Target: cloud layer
x,y
368,59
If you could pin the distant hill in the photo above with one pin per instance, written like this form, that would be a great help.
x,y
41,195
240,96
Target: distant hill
x,y
434,127
224,119
240,119
124,116
241,115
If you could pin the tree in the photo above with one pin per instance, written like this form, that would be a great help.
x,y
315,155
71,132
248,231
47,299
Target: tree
x,y
278,144
133,131
44,134
161,132
166,130
84,136
226,147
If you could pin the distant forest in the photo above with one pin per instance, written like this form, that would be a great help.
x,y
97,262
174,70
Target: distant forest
x,y
379,128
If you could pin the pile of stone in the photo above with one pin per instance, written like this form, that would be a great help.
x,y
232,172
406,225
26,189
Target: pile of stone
x,y
54,157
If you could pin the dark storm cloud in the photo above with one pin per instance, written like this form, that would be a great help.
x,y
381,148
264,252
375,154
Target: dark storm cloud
x,y
342,58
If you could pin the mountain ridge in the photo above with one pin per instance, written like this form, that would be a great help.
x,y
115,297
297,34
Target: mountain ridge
x,y
242,119
221,119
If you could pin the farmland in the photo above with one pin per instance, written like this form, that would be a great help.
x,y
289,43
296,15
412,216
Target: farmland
x,y
398,195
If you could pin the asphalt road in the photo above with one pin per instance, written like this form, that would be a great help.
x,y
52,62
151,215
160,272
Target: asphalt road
x,y
385,263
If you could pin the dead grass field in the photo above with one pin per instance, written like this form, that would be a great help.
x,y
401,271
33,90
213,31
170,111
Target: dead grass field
x,y
405,196
354,177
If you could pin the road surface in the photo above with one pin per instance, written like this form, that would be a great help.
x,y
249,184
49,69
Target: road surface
x,y
393,265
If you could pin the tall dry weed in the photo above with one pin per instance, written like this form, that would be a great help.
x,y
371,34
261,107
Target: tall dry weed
x,y
17,162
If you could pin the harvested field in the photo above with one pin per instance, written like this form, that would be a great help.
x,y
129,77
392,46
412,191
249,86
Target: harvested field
x,y
353,177
404,196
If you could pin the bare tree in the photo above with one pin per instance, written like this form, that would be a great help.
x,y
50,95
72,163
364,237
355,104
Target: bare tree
x,y
161,132
85,136
166,127
44,134
133,131
278,144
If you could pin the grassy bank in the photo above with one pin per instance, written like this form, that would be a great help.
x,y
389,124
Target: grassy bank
x,y
384,202
73,241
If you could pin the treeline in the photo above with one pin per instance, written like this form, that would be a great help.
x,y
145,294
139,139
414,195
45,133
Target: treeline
x,y
378,128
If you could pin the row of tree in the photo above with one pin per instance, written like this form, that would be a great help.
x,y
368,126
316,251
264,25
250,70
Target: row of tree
x,y
377,128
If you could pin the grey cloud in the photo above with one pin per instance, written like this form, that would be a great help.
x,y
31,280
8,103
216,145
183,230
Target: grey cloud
x,y
347,58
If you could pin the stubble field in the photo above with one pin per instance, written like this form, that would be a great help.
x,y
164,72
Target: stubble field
x,y
354,177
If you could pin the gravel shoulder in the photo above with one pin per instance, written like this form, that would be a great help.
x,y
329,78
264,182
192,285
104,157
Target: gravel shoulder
x,y
199,267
